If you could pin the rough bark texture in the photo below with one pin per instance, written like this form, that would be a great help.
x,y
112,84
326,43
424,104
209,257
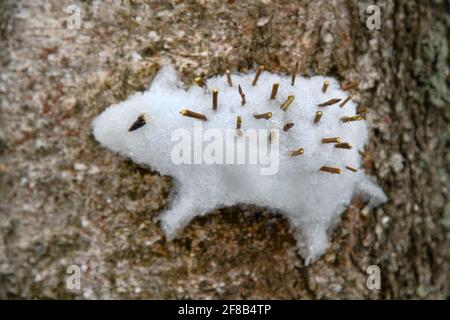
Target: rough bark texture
x,y
66,200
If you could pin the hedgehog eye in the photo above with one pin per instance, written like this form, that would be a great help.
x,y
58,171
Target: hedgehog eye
x,y
139,123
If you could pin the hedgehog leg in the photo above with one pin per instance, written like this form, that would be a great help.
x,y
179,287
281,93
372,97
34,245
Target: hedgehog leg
x,y
368,189
176,218
180,214
311,234
312,242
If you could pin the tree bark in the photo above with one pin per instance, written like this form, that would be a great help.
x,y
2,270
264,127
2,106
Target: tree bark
x,y
67,201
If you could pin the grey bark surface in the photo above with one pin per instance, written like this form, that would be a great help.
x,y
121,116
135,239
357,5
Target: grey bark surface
x,y
65,200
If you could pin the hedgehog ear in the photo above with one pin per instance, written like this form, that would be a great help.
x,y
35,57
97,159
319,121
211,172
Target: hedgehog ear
x,y
166,77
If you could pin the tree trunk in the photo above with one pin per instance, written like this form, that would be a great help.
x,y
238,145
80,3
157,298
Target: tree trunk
x,y
67,201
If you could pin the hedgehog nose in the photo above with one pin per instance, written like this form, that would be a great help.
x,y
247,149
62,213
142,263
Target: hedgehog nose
x,y
104,130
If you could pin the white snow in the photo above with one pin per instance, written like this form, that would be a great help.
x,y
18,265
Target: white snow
x,y
311,200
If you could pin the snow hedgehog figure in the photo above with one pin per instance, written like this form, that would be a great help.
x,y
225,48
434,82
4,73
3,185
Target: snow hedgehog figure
x,y
283,142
